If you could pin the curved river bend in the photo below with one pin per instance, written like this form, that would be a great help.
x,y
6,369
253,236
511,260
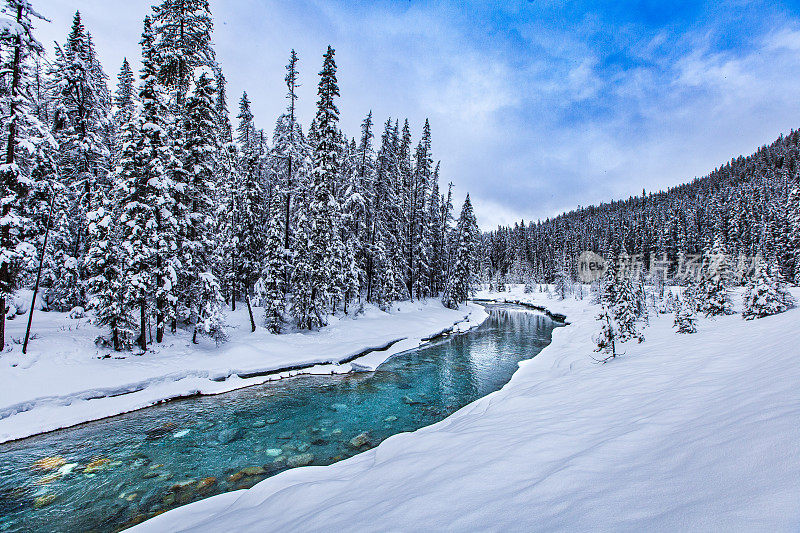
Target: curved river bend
x,y
110,474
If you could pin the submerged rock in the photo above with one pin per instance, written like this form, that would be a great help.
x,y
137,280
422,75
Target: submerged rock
x,y
181,433
302,459
182,485
390,418
44,501
160,431
360,440
319,442
259,424
338,407
205,484
226,436
274,452
97,464
48,478
303,447
49,463
408,400
247,472
271,421
140,462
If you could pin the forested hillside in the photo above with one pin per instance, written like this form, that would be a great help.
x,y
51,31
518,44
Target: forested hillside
x,y
752,203
158,211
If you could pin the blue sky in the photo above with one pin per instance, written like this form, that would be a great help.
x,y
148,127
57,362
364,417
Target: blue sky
x,y
536,107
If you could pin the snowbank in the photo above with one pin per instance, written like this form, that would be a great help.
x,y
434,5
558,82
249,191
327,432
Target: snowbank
x,y
65,379
683,432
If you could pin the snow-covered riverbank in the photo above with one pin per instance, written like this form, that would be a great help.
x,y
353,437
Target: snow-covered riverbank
x,y
683,432
64,379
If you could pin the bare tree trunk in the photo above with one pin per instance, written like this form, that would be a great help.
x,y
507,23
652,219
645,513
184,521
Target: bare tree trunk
x,y
143,326
159,303
250,311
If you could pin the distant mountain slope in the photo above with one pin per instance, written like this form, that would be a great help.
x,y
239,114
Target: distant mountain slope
x,y
744,201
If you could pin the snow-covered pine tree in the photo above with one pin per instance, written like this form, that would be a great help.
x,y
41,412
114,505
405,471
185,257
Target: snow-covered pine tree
x,y
228,185
249,217
685,312
606,338
713,293
290,148
445,230
182,43
124,105
766,293
619,297
22,132
202,290
405,170
273,275
465,266
321,240
436,246
626,311
563,283
667,305
793,230
146,233
105,269
80,127
419,258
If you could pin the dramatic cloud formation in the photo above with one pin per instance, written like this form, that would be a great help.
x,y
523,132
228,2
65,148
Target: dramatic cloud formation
x,y
536,107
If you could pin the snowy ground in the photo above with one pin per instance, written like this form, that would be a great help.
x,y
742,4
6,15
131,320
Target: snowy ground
x,y
683,432
64,379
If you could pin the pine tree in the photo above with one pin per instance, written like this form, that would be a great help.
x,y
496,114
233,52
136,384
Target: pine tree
x,y
124,97
626,311
106,276
21,131
606,338
713,291
249,216
766,293
465,267
80,126
273,275
182,43
793,229
419,257
144,194
202,294
321,240
685,313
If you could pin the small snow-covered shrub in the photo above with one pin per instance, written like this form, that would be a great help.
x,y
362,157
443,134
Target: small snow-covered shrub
x,y
686,315
669,304
21,305
766,294
77,312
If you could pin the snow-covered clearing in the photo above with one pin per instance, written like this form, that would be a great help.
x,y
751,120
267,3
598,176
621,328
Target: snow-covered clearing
x,y
683,432
64,379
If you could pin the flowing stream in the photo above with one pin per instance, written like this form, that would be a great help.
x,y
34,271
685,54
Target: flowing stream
x,y
113,473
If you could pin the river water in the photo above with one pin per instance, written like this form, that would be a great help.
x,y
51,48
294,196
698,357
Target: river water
x,y
110,474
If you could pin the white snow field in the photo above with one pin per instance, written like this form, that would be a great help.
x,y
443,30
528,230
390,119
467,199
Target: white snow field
x,y
64,379
682,432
